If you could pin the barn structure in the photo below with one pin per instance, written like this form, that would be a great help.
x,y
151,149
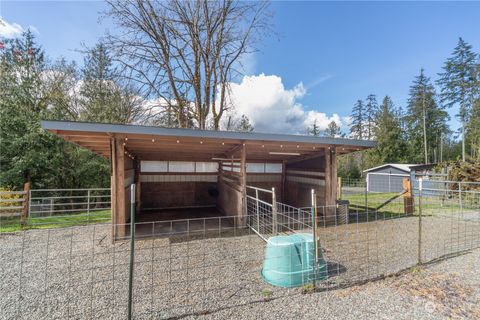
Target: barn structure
x,y
184,173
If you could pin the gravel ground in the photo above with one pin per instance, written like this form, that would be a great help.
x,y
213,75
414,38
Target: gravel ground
x,y
78,273
449,289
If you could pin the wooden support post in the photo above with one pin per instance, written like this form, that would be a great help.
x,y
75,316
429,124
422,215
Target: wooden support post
x,y
330,183
26,201
120,218
113,187
243,172
136,166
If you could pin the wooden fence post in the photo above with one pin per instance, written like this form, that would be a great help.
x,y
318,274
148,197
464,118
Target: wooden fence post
x,y
26,198
408,202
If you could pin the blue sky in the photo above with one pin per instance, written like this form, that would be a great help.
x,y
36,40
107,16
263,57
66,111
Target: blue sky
x,y
339,51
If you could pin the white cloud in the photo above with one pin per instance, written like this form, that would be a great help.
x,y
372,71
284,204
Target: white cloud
x,y
273,108
9,30
320,79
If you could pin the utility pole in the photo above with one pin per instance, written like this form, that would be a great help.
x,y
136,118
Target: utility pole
x,y
441,147
424,125
463,133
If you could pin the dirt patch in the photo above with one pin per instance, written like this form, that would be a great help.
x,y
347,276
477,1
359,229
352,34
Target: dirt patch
x,y
446,292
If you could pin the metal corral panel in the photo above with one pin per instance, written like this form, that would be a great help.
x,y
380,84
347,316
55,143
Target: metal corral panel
x,y
432,188
386,179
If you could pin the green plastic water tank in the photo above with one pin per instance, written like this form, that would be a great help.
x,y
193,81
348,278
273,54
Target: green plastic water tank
x,y
289,261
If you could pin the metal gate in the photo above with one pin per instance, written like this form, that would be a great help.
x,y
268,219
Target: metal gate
x,y
261,214
267,217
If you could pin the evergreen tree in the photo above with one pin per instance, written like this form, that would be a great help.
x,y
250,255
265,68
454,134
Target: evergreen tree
x,y
370,115
390,139
24,147
357,125
332,130
473,131
60,84
30,91
315,129
348,167
244,125
425,120
460,84
104,98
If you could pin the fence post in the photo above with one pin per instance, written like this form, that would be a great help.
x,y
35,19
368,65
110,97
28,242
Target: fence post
x,y
420,187
339,188
26,204
88,202
51,207
274,213
460,196
366,194
314,235
258,210
132,250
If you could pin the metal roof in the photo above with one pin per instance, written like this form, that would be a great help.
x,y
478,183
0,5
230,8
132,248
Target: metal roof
x,y
399,166
54,125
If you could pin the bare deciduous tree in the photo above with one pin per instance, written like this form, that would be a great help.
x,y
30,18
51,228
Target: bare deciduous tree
x,y
185,53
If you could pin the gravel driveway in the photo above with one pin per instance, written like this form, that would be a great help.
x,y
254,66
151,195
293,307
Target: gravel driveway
x,y
79,273
449,289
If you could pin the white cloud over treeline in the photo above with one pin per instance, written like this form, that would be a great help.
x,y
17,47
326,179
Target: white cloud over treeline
x,y
9,30
273,108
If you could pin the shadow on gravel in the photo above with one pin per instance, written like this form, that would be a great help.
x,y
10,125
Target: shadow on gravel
x,y
335,269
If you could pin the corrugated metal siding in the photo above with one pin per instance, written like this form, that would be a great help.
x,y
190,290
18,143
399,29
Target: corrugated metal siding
x,y
386,180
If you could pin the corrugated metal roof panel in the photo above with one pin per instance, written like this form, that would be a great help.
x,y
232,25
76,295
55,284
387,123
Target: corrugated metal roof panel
x,y
400,166
148,130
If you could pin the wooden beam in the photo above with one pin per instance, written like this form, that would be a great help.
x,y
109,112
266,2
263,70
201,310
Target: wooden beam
x,y
243,171
330,176
82,133
175,149
113,186
317,154
234,150
120,214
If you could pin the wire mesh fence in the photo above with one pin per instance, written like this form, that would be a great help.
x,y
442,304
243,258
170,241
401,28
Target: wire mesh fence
x,y
379,194
292,219
192,267
79,272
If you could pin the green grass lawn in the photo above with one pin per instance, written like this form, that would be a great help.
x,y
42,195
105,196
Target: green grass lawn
x,y
12,224
374,202
430,205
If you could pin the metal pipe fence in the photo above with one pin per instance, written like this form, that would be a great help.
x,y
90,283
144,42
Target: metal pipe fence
x,y
59,203
42,208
